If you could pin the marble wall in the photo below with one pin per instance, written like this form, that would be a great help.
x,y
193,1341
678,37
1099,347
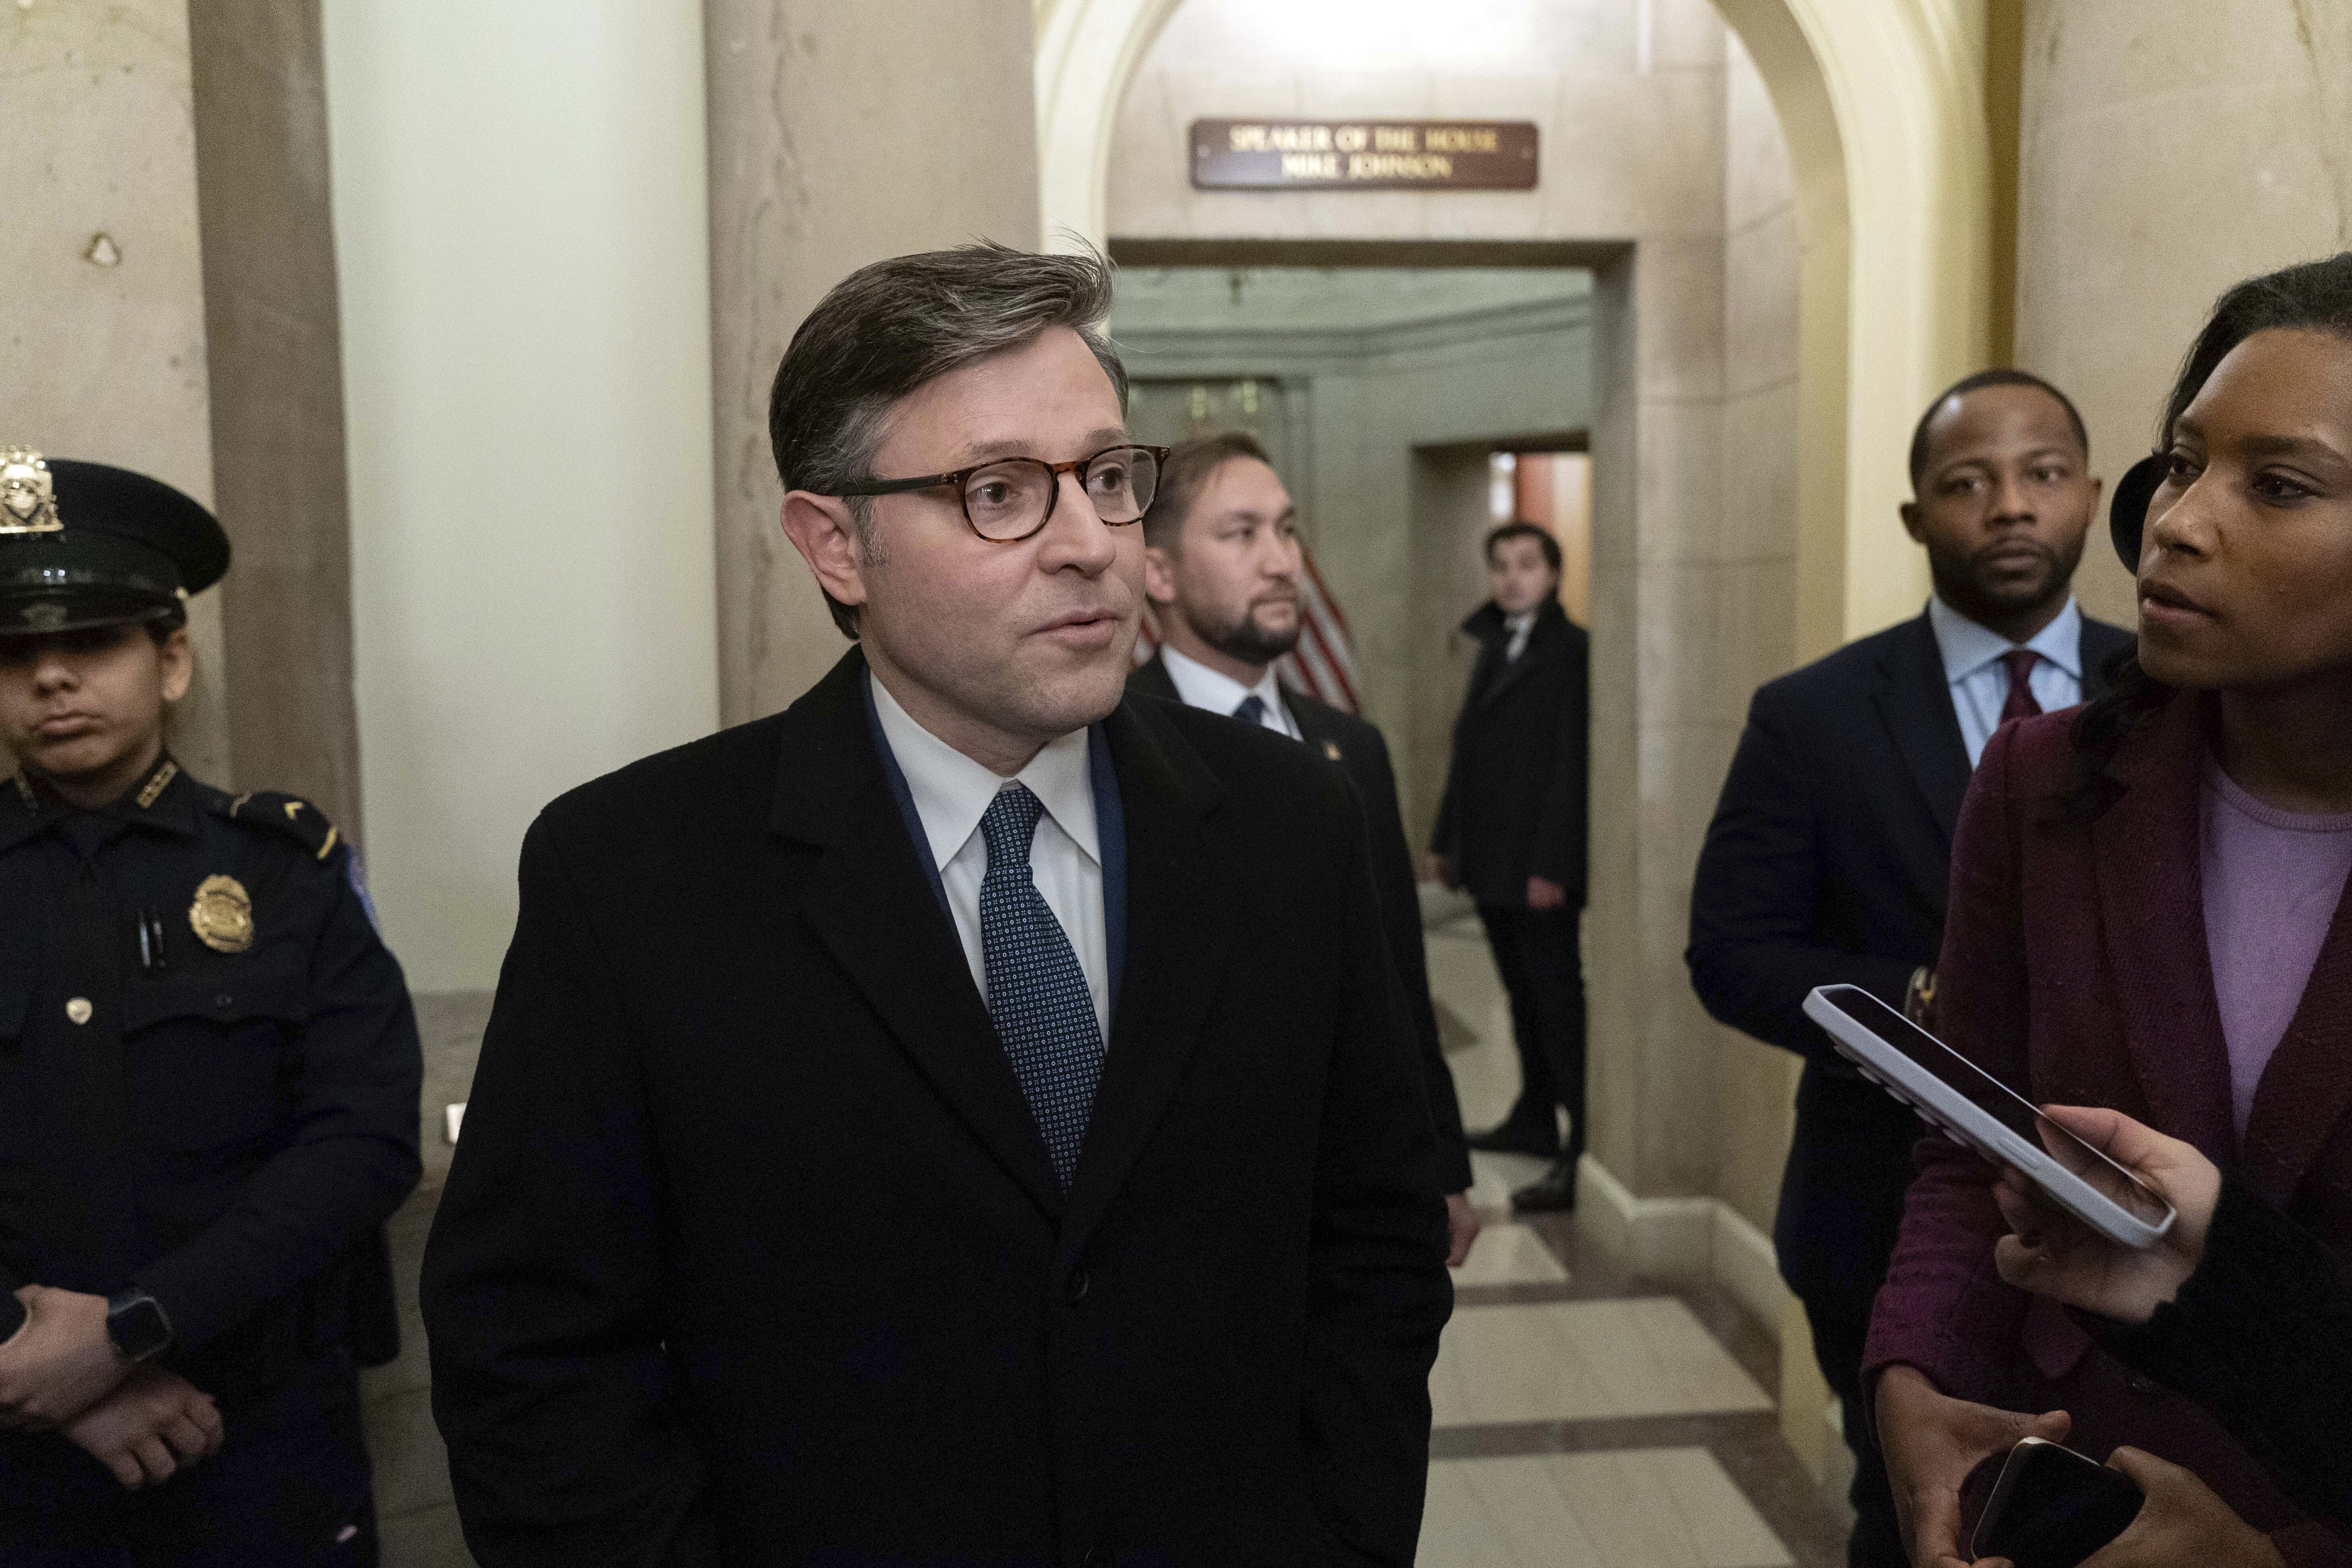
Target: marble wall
x,y
101,291
1758,555
274,354
839,135
1693,578
2166,155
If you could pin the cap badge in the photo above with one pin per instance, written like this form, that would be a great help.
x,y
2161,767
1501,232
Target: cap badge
x,y
28,502
222,915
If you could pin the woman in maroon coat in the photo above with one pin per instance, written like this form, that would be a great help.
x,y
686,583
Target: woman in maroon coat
x,y
2148,913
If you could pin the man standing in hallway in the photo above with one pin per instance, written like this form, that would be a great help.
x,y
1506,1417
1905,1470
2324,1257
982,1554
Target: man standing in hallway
x,y
1829,854
1221,564
911,1128
1511,830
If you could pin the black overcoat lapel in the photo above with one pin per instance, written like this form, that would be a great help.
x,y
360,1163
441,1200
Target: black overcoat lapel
x,y
1180,892
1915,702
871,906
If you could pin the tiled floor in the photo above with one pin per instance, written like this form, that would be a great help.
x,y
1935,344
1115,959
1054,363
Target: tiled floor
x,y
1585,1417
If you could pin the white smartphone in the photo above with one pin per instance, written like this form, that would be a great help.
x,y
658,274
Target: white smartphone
x,y
1978,1109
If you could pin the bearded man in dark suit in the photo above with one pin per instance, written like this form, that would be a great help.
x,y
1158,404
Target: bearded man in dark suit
x,y
911,1129
1829,854
1222,562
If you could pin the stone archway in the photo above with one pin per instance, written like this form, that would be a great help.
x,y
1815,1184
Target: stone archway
x,y
1882,103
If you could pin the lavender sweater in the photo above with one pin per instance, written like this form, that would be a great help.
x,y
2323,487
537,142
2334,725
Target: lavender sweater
x,y
2273,881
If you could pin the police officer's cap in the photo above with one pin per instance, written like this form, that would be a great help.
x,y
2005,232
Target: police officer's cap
x,y
83,545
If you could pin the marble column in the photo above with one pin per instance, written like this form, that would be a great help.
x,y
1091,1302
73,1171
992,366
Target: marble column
x,y
838,135
2170,148
101,290
274,349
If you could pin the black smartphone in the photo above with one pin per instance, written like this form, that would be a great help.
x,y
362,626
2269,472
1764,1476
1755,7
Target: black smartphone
x,y
2051,1508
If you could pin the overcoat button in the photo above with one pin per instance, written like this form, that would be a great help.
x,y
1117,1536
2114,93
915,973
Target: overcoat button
x,y
78,1009
1080,1282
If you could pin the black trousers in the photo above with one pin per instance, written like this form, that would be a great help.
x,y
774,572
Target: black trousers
x,y
289,1488
1540,955
1841,1206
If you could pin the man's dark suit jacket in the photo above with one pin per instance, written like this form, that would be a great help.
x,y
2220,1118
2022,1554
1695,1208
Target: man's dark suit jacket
x,y
1826,863
1363,753
1517,788
2076,970
751,1252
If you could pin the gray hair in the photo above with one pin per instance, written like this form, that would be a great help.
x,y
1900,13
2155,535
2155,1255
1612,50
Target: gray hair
x,y
887,329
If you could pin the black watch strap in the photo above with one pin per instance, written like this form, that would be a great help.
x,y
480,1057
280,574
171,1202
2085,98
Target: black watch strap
x,y
136,1322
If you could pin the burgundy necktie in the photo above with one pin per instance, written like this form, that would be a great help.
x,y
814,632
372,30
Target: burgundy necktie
x,y
2020,703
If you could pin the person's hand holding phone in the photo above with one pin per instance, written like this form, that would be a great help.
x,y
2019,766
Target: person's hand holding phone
x,y
2182,1525
2053,1254
1931,1442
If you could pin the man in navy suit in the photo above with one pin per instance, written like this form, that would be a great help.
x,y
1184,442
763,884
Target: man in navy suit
x,y
1221,564
1830,851
912,1129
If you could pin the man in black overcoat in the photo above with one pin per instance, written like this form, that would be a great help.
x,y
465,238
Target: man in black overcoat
x,y
1222,563
910,1129
1511,831
1830,848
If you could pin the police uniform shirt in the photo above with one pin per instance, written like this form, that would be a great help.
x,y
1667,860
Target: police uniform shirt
x,y
1201,687
209,1067
952,793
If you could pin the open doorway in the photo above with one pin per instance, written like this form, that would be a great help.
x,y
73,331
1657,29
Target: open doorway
x,y
1380,384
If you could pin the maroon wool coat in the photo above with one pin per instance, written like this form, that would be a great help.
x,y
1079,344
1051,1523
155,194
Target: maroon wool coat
x,y
2074,969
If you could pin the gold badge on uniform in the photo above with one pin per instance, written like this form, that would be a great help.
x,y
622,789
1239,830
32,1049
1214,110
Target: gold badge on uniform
x,y
222,915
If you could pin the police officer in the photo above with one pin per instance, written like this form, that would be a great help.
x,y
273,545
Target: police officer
x,y
209,1074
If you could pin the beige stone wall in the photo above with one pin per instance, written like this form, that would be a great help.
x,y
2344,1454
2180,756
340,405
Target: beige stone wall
x,y
2171,147
273,357
1760,564
102,293
839,135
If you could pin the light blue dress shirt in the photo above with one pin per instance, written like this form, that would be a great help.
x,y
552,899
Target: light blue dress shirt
x,y
1980,682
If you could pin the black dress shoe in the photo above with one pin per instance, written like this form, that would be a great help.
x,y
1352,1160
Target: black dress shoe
x,y
1508,1139
1553,1193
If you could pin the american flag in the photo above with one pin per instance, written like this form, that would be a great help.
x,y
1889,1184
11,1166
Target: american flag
x,y
1323,665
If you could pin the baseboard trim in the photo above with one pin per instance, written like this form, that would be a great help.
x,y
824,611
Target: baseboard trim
x,y
1706,1237
1703,1236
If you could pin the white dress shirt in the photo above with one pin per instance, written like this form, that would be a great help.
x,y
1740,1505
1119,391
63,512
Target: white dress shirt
x,y
1980,682
952,793
1201,687
1521,627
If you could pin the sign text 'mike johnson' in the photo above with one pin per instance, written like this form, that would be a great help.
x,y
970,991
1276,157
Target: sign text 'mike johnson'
x,y
1363,154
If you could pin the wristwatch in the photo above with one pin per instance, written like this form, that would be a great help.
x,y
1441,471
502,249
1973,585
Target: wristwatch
x,y
136,1323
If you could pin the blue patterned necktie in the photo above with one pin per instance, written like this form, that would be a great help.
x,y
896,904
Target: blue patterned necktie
x,y
1252,711
1038,994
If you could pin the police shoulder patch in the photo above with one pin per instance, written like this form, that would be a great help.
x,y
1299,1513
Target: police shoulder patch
x,y
295,817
